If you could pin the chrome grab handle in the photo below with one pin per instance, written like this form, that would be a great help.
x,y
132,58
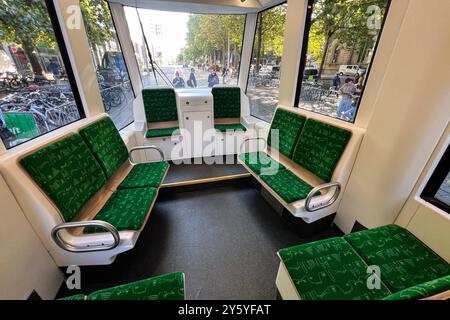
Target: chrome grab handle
x,y
310,196
250,139
92,223
130,154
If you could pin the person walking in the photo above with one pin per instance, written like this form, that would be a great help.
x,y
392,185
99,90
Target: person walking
x,y
178,81
213,79
192,82
346,91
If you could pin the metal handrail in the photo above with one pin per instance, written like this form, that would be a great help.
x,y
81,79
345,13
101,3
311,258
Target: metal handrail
x,y
310,196
81,224
251,139
130,154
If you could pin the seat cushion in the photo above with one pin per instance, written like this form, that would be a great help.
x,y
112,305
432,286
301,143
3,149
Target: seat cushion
x,y
289,126
260,162
126,209
404,260
165,132
287,185
319,148
145,175
165,287
160,104
423,290
67,172
227,102
329,270
230,127
106,144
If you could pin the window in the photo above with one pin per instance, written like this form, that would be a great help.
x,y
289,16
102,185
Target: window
x,y
437,190
186,50
112,73
265,68
339,46
38,93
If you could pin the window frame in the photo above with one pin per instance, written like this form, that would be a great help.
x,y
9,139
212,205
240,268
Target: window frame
x,y
304,52
436,180
223,14
62,48
253,48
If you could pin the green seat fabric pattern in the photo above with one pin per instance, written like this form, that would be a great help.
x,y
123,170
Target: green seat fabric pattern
x,y
329,270
106,144
145,175
165,287
158,133
260,162
287,185
230,127
404,260
227,102
75,297
160,105
289,126
126,209
67,172
320,147
423,290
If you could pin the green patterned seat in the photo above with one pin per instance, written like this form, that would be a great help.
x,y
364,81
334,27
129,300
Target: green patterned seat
x,y
164,132
403,259
160,105
145,175
67,172
227,102
106,144
230,127
260,162
320,147
126,209
165,287
289,126
423,290
329,270
287,185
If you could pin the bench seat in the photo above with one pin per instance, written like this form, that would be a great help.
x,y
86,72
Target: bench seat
x,y
162,132
230,127
260,162
126,209
337,268
287,185
169,286
144,175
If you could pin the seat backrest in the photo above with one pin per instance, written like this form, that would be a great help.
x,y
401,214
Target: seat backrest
x,y
160,105
289,126
67,172
319,148
227,102
106,144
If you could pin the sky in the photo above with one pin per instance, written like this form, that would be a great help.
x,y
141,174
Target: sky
x,y
174,28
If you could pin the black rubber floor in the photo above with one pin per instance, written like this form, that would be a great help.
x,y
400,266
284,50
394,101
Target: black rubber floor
x,y
196,170
224,239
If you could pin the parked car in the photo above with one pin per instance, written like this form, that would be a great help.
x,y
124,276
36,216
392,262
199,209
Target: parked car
x,y
351,70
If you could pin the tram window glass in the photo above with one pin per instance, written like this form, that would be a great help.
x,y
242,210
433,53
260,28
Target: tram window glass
x,y
341,41
37,90
437,190
112,73
266,64
188,50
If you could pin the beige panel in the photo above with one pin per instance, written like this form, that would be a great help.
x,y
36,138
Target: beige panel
x,y
410,116
25,264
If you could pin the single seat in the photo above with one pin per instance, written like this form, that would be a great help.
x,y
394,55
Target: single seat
x,y
165,287
287,185
109,149
342,268
160,108
227,109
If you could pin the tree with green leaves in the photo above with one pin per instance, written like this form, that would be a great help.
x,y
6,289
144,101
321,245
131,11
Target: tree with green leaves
x,y
26,23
